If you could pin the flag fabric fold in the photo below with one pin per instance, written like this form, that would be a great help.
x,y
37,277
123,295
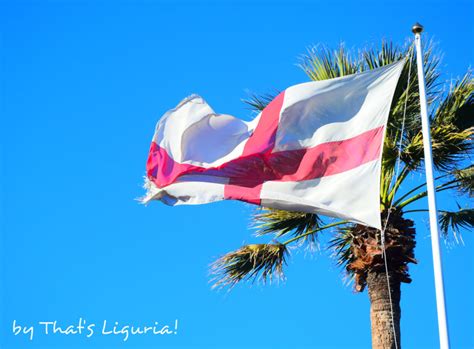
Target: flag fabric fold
x,y
315,148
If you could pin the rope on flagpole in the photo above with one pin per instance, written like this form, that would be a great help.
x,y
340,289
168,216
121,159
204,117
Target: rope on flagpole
x,y
397,172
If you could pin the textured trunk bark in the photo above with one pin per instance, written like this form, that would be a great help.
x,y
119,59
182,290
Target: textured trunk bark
x,y
380,314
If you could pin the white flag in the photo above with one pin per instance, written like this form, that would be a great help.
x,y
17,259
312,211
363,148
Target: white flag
x,y
316,147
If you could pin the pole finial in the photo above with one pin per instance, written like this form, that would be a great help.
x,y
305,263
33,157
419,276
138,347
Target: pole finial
x,y
417,28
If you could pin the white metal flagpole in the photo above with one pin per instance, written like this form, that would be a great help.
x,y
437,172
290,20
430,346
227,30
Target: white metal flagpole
x,y
425,125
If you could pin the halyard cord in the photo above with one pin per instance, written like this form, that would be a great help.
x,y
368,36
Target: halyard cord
x,y
382,233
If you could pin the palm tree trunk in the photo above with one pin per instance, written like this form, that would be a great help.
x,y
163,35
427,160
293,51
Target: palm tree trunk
x,y
380,310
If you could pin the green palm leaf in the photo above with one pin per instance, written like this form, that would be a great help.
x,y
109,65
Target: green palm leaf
x,y
251,262
451,130
456,220
465,180
280,222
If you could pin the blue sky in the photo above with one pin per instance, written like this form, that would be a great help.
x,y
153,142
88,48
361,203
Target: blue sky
x,y
83,84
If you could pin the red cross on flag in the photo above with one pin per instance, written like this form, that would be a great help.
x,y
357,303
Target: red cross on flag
x,y
316,147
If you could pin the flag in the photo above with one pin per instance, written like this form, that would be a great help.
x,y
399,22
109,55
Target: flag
x,y
316,147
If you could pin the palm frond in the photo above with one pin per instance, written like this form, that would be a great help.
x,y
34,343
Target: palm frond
x,y
389,159
456,220
322,63
258,102
387,53
465,180
457,108
449,144
451,130
340,245
280,222
256,262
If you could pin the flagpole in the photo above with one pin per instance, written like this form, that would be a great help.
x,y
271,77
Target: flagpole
x,y
425,125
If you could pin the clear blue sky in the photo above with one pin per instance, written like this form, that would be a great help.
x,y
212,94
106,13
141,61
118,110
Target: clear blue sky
x,y
83,84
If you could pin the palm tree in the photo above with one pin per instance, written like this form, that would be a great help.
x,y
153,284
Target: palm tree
x,y
357,248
